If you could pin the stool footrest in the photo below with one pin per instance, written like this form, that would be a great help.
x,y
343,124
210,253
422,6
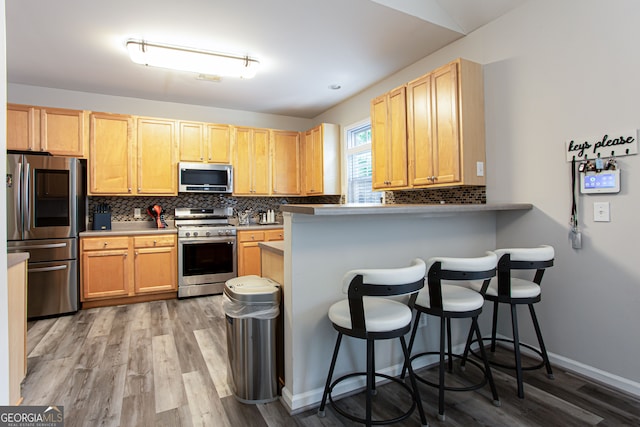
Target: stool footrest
x,y
451,388
356,419
509,366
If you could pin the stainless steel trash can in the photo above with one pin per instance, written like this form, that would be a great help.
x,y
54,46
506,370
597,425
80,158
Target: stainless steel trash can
x,y
252,306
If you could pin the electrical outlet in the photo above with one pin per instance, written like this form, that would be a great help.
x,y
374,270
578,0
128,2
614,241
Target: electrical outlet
x,y
137,213
479,168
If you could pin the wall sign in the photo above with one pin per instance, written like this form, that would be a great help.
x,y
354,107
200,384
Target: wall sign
x,y
611,144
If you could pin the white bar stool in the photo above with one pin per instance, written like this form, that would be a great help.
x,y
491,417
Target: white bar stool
x,y
514,291
365,315
448,301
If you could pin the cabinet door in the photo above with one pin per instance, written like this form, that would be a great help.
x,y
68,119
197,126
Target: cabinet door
x,y
249,252
105,274
261,181
110,154
446,124
157,166
420,132
23,128
242,167
314,161
192,142
389,144
62,132
286,163
155,269
218,144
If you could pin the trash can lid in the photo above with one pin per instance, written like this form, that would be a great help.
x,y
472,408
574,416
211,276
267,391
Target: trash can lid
x,y
253,290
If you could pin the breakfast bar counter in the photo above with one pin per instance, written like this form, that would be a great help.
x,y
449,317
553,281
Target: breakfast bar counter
x,y
323,242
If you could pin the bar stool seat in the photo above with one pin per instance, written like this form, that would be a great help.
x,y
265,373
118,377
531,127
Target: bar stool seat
x,y
454,299
382,314
520,288
368,315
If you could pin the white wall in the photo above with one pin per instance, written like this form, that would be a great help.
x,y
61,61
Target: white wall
x,y
554,71
4,303
33,95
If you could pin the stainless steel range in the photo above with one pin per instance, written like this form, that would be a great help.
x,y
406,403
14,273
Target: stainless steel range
x,y
206,250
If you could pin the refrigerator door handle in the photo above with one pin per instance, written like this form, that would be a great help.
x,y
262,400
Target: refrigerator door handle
x,y
17,197
47,246
26,198
46,269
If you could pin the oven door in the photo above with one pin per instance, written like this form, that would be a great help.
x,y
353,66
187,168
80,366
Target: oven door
x,y
203,261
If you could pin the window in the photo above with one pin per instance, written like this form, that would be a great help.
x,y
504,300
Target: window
x,y
358,162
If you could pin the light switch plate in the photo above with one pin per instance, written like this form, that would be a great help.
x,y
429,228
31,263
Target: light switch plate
x,y
479,168
137,213
601,212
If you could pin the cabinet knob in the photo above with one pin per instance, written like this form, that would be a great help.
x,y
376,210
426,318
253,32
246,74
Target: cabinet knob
x,y
129,189
105,244
253,237
155,242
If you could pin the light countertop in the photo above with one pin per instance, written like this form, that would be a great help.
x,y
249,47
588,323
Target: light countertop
x,y
377,209
16,258
128,228
276,246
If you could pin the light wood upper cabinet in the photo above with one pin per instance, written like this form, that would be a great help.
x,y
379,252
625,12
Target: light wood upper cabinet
x,y
446,126
132,156
56,131
389,140
204,142
321,165
157,168
111,146
23,128
251,162
285,167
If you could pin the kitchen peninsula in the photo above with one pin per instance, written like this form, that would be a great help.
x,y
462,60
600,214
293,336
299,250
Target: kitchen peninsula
x,y
323,242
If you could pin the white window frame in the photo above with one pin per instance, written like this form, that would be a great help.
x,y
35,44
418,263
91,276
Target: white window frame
x,y
347,130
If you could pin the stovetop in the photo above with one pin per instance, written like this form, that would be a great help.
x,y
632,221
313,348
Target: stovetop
x,y
203,223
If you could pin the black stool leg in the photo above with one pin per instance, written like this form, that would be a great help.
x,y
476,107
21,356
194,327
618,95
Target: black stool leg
x,y
411,340
516,350
494,327
441,371
467,347
449,351
330,375
487,368
543,349
370,380
414,383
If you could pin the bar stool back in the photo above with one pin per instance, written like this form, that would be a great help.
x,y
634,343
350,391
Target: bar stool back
x,y
447,301
515,291
365,315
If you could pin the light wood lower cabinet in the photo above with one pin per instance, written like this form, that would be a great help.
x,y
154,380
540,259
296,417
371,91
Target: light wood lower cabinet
x,y
126,267
249,251
17,321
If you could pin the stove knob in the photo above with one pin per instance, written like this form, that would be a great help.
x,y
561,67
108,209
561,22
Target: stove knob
x,y
187,234
208,233
195,234
220,232
228,232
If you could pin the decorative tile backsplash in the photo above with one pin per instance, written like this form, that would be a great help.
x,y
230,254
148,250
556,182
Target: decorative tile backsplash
x,y
122,208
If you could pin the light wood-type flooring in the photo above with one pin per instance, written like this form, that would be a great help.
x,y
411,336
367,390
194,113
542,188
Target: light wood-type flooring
x,y
164,364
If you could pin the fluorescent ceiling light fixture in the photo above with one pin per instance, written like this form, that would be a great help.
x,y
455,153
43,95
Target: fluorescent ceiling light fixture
x,y
190,59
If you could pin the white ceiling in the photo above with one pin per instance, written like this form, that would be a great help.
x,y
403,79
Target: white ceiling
x,y
304,46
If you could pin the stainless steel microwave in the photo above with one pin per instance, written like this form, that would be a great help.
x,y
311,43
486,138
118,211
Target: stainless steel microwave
x,y
204,178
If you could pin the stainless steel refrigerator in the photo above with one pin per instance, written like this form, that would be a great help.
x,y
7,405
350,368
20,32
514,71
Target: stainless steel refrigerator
x,y
46,202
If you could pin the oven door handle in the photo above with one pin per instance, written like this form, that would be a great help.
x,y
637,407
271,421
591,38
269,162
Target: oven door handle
x,y
47,269
230,240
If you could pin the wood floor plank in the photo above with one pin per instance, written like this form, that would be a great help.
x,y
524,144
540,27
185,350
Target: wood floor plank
x,y
36,331
240,414
174,417
50,342
103,321
204,402
138,410
105,404
214,354
160,322
140,364
168,387
139,316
